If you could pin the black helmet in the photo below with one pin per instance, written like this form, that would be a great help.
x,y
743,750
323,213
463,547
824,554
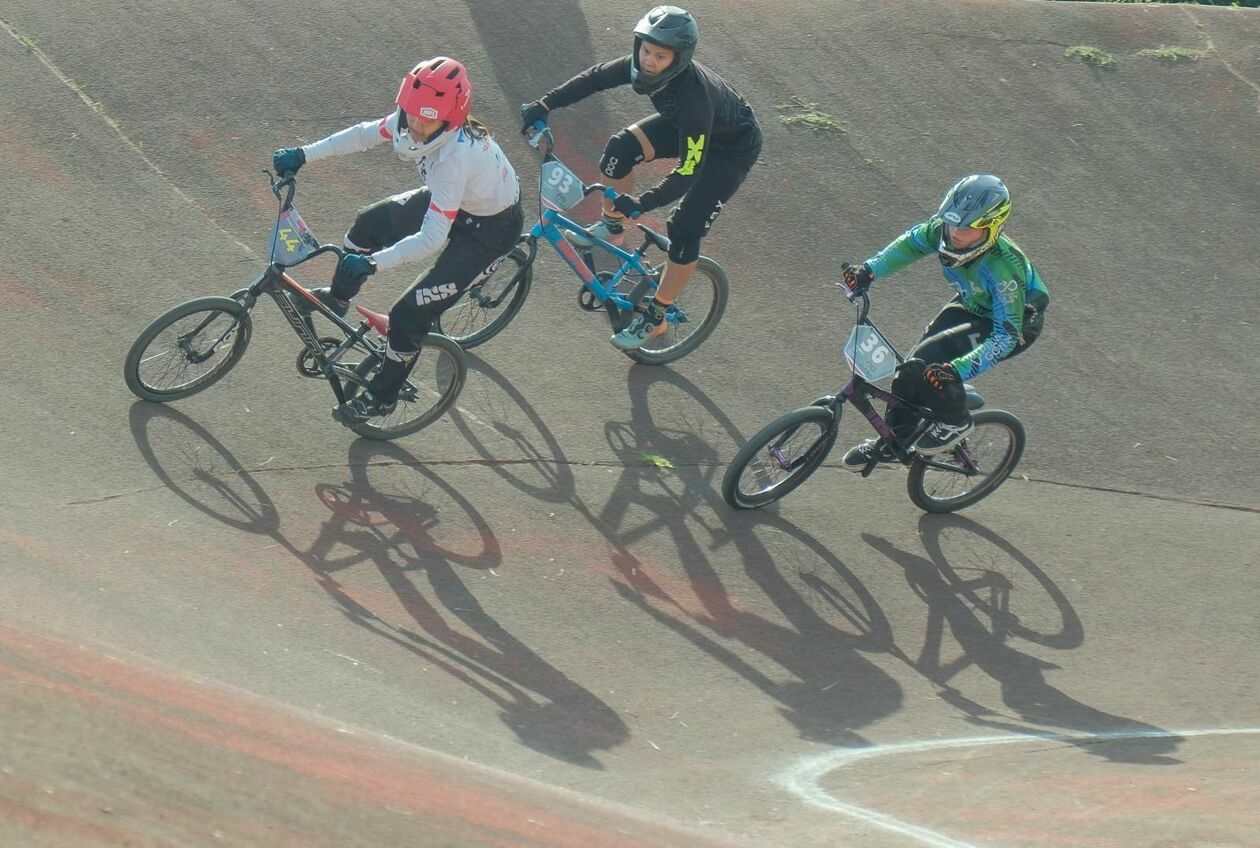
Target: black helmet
x,y
664,26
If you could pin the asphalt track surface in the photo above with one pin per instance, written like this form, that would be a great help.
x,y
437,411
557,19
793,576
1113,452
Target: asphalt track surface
x,y
227,621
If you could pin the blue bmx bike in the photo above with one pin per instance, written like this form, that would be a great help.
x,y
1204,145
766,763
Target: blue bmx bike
x,y
490,305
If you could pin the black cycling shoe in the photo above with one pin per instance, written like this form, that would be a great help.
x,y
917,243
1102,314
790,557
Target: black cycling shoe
x,y
860,456
363,408
336,305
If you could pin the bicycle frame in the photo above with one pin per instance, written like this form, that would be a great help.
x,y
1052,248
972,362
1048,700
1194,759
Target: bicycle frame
x,y
552,225
276,282
859,392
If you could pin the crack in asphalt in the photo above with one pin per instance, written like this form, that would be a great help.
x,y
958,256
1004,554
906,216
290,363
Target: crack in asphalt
x,y
499,463
98,110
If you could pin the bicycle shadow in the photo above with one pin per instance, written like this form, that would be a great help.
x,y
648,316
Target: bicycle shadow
x,y
492,409
977,593
401,533
832,620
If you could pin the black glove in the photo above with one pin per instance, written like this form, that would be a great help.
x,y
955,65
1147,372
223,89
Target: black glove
x,y
628,205
351,271
287,160
532,113
941,375
858,278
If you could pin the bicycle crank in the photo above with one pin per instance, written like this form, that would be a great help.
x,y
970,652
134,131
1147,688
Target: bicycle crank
x,y
307,366
586,297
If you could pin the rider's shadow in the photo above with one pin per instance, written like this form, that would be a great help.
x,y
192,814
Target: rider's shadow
x,y
832,621
981,593
395,515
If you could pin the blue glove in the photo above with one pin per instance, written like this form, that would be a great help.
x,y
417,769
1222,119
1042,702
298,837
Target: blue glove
x,y
351,271
287,160
628,205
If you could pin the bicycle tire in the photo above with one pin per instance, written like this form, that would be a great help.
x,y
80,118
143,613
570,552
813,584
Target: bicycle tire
x,y
984,421
407,417
456,322
145,388
803,463
647,355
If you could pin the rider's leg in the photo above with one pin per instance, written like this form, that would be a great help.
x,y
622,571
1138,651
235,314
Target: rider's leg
x,y
686,227
473,251
376,226
949,330
644,141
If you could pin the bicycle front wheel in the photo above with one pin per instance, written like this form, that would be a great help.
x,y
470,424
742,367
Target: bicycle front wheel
x,y
974,469
702,302
188,349
431,389
490,305
780,457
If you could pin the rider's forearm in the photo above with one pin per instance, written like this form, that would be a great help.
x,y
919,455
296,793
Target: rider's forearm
x,y
908,247
353,139
593,79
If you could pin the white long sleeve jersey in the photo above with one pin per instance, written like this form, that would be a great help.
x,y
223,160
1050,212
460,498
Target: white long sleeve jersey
x,y
465,173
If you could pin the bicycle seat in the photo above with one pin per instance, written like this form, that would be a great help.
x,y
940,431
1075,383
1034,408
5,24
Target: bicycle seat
x,y
655,237
376,320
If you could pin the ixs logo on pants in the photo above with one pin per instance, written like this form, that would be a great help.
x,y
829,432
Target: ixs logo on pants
x,y
433,293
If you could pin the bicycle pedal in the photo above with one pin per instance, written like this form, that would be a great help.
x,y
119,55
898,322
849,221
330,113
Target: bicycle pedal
x,y
587,301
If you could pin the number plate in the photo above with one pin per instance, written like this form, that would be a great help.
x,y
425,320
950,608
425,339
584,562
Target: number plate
x,y
291,240
869,354
561,188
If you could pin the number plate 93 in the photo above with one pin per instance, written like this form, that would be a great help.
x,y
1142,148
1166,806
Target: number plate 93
x,y
561,188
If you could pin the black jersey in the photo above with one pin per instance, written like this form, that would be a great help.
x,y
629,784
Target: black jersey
x,y
710,115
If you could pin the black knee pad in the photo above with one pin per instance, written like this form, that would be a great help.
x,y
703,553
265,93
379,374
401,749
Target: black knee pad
x,y
621,154
684,245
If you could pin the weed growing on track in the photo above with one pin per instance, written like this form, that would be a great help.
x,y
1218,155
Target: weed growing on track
x,y
1173,54
1092,55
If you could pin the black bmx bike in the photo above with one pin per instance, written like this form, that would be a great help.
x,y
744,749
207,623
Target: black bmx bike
x,y
194,345
786,452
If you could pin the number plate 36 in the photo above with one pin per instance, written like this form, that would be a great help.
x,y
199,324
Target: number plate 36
x,y
869,354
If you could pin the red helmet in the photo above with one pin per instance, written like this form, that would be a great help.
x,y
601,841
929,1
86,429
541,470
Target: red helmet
x,y
437,89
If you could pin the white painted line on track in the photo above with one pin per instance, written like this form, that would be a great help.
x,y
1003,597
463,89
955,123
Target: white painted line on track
x,y
802,779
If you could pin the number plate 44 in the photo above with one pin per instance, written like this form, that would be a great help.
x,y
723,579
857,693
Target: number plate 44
x,y
869,354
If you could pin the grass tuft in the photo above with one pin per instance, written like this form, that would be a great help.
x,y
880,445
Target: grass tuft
x,y
1092,55
1173,54
797,111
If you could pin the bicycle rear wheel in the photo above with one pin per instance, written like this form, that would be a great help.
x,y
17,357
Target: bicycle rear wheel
x,y
431,389
490,305
703,301
974,469
189,348
780,457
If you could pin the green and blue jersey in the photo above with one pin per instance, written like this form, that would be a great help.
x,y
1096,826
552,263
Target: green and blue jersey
x,y
998,285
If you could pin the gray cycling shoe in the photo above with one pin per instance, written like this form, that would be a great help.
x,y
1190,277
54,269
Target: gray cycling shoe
x,y
601,229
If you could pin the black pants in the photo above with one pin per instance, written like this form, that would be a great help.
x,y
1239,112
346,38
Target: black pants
x,y
954,332
474,248
720,177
